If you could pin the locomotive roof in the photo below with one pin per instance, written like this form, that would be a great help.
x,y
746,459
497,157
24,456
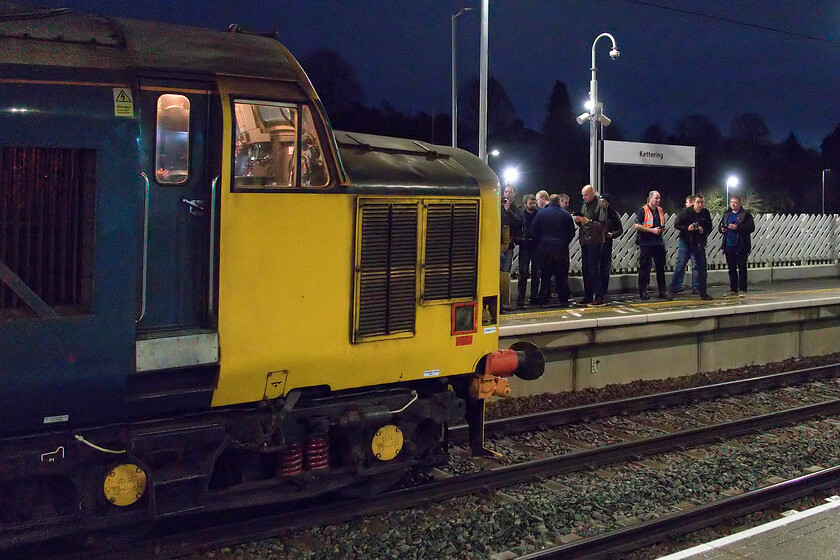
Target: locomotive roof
x,y
373,161
64,37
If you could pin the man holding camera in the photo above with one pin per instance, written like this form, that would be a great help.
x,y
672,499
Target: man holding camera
x,y
591,221
694,224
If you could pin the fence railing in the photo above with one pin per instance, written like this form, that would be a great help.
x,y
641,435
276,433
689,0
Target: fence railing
x,y
778,240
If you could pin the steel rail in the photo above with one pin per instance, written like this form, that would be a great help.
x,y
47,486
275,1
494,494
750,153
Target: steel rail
x,y
306,515
608,545
516,424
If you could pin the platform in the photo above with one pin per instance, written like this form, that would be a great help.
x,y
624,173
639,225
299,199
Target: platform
x,y
632,339
813,534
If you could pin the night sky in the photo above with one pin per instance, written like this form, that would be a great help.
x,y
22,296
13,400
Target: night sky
x,y
672,63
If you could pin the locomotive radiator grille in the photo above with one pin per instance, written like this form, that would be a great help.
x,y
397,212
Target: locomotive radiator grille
x,y
387,272
451,251
46,206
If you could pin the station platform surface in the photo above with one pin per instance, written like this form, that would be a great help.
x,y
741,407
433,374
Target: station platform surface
x,y
629,309
813,534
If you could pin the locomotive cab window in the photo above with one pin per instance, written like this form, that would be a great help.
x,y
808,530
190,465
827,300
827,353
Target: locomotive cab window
x,y
277,146
172,155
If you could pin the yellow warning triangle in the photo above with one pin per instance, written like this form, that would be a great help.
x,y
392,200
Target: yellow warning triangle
x,y
123,97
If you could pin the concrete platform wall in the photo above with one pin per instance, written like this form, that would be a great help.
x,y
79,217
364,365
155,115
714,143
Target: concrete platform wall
x,y
595,357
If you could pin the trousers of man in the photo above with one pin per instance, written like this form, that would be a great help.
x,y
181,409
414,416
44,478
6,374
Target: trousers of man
x,y
697,256
606,264
554,261
528,268
591,261
736,262
655,254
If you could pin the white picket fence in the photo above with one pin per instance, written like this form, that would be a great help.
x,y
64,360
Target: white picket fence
x,y
778,240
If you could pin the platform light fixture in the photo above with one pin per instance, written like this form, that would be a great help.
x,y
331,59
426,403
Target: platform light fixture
x,y
731,183
510,175
595,115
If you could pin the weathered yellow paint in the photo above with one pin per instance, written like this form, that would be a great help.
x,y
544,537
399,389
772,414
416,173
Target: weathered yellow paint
x,y
286,284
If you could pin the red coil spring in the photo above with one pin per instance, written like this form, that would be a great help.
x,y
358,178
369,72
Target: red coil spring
x,y
317,453
290,461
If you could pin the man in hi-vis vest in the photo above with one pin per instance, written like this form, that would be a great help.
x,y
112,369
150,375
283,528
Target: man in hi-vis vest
x,y
649,226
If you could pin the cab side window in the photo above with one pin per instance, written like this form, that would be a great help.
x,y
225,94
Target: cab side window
x,y
276,146
172,152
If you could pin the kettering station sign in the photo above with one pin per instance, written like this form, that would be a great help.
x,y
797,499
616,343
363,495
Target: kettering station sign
x,y
636,153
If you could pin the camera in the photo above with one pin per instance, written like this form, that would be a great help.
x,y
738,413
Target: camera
x,y
614,53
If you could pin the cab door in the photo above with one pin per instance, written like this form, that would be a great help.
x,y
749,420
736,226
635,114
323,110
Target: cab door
x,y
174,162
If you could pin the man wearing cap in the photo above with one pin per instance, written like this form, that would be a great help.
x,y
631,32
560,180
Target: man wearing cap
x,y
612,230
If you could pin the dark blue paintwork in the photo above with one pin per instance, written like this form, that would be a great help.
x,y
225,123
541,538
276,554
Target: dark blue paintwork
x,y
77,365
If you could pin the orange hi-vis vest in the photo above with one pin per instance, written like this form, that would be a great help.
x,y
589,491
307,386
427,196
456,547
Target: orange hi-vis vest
x,y
649,216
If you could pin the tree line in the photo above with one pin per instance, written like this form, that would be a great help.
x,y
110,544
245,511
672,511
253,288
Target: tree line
x,y
784,177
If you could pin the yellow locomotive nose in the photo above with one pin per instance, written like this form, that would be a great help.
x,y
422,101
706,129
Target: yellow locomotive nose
x,y
124,485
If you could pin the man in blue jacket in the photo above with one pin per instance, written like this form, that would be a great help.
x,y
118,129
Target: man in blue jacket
x,y
553,230
737,226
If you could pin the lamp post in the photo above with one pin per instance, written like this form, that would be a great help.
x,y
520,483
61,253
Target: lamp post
x,y
731,183
455,82
823,190
595,115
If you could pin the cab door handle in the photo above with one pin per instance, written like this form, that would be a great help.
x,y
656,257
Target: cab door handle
x,y
196,206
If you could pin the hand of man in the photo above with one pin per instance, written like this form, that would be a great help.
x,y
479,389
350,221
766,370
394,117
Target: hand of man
x,y
733,226
700,229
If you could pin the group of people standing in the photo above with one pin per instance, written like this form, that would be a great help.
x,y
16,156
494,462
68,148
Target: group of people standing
x,y
544,228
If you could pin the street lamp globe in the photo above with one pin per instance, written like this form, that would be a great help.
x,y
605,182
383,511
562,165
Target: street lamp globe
x,y
510,175
731,182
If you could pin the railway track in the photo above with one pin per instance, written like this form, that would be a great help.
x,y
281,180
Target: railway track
x,y
240,527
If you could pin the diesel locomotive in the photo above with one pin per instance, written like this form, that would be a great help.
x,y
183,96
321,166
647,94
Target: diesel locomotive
x,y
208,297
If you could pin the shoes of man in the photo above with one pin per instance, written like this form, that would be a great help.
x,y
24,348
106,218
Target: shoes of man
x,y
598,303
585,301
742,294
543,306
706,297
731,293
670,296
644,295
533,301
663,295
520,303
695,291
680,289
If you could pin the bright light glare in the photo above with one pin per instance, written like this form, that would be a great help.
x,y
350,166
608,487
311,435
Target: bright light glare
x,y
732,181
494,152
510,175
589,105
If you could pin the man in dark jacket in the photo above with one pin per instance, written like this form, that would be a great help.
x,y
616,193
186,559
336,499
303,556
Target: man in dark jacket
x,y
510,218
736,226
612,230
528,253
591,220
553,229
694,224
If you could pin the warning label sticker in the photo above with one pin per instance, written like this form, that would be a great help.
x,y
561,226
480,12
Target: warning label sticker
x,y
123,103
